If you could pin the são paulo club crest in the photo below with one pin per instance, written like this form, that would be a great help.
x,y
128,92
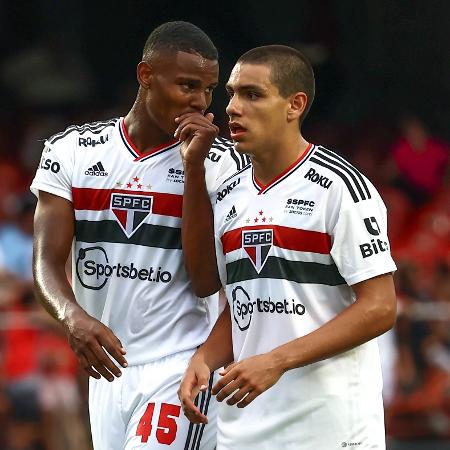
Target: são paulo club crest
x,y
131,210
257,244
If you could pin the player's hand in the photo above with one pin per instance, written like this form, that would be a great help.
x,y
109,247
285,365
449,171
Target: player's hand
x,y
194,381
243,381
197,133
89,339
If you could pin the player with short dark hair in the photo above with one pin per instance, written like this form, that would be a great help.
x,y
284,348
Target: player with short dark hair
x,y
111,191
303,254
290,70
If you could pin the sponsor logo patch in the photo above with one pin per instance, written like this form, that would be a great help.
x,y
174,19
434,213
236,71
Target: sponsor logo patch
x,y
299,206
315,177
244,307
92,142
226,190
48,164
175,175
97,170
372,226
231,215
373,247
94,270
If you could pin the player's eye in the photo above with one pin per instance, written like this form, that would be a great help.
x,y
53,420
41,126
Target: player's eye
x,y
230,93
252,95
188,86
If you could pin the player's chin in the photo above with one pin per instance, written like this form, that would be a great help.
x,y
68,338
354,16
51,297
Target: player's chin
x,y
240,147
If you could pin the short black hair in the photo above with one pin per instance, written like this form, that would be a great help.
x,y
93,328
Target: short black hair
x,y
290,70
179,36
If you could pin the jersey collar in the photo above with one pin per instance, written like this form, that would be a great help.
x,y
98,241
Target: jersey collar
x,y
135,152
262,189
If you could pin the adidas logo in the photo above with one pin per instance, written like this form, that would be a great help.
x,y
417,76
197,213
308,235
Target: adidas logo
x,y
97,170
232,214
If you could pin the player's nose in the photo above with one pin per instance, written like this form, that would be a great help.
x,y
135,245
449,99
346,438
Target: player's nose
x,y
233,108
199,102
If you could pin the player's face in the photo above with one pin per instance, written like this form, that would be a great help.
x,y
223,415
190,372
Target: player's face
x,y
180,83
257,112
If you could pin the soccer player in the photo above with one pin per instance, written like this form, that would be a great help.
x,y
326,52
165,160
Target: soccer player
x,y
303,254
112,192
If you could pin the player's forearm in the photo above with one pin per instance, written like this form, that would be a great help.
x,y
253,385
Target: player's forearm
x,y
197,233
217,351
53,289
364,320
52,240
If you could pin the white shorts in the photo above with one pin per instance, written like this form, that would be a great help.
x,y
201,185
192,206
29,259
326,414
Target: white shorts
x,y
141,410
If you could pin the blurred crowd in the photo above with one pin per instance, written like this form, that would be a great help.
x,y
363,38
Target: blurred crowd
x,y
43,394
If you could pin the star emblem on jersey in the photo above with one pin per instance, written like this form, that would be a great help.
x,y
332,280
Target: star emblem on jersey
x,y
257,244
260,217
131,209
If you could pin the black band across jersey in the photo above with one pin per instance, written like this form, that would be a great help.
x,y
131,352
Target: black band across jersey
x,y
283,269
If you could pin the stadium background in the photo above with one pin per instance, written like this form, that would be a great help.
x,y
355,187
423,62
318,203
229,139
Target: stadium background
x,y
383,101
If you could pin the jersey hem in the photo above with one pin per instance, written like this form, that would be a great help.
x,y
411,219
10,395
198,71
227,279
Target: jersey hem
x,y
367,275
51,190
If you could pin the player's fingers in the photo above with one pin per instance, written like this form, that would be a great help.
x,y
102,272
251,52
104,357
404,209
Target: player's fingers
x,y
198,120
116,350
84,364
98,363
248,399
189,116
227,390
184,133
227,369
185,130
210,117
195,416
190,410
227,377
238,395
104,359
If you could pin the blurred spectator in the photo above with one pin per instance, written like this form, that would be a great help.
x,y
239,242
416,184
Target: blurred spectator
x,y
420,159
418,417
16,236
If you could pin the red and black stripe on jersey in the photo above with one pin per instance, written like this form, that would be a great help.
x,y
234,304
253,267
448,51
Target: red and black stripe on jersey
x,y
148,235
281,268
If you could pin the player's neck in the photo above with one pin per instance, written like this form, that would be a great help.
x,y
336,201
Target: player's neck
x,y
268,164
144,134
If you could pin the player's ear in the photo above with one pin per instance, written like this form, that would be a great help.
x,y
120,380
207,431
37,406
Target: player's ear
x,y
144,74
297,105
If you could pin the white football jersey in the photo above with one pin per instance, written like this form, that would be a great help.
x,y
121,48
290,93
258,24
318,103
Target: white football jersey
x,y
288,253
128,269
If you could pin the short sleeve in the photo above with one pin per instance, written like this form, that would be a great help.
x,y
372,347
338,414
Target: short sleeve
x,y
55,171
223,161
360,245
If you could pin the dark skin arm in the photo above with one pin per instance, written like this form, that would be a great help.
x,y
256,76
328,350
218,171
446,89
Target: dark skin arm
x,y
89,338
197,232
372,314
213,354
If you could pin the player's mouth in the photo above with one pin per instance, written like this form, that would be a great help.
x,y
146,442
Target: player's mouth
x,y
237,131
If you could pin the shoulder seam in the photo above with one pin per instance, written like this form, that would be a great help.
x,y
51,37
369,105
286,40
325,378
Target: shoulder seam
x,y
93,127
236,173
346,171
